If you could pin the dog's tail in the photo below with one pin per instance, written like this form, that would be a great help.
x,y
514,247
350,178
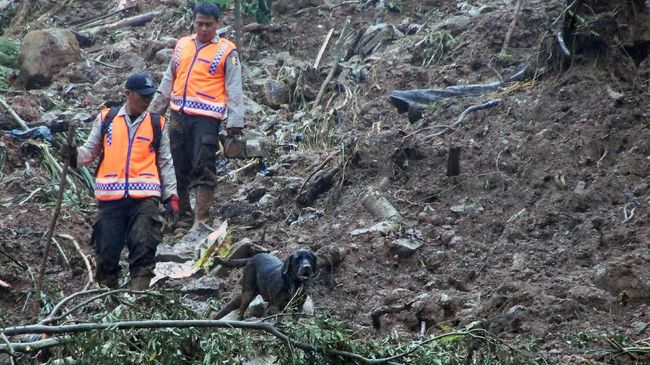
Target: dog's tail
x,y
231,263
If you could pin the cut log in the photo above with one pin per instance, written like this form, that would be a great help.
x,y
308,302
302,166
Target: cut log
x,y
380,207
453,162
140,19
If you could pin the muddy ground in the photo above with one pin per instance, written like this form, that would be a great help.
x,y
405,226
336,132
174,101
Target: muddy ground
x,y
543,234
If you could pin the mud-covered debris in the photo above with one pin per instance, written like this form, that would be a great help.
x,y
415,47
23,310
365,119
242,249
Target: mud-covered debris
x,y
375,36
255,194
205,285
257,308
276,93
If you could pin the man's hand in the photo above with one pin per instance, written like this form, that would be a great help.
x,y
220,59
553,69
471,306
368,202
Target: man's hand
x,y
69,153
171,207
234,131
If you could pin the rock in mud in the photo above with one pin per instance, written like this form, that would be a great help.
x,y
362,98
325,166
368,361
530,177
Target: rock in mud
x,y
61,48
276,93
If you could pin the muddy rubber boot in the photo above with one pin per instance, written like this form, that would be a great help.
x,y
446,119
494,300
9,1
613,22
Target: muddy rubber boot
x,y
140,282
204,200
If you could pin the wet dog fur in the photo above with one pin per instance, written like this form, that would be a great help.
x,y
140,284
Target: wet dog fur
x,y
278,282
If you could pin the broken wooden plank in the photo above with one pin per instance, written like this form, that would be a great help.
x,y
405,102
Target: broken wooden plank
x,y
323,47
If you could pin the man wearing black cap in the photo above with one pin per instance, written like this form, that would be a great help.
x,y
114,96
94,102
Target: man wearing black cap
x,y
134,174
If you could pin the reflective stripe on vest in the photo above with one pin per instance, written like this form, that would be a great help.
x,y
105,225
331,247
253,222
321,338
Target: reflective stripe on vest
x,y
122,155
200,78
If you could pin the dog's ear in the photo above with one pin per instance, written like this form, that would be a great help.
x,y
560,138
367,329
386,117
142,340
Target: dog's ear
x,y
288,264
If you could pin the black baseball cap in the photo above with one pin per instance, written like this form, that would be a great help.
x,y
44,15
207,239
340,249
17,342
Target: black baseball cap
x,y
141,83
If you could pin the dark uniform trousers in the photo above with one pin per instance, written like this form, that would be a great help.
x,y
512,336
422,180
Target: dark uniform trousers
x,y
135,223
194,143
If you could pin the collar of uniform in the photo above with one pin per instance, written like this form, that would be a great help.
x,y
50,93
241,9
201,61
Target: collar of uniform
x,y
122,113
214,40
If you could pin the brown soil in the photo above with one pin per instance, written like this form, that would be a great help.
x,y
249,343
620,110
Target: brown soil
x,y
533,225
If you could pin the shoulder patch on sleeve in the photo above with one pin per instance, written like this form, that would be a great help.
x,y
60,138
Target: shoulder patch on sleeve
x,y
234,60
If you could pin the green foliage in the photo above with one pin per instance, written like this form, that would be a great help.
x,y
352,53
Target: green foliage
x,y
438,43
8,60
236,346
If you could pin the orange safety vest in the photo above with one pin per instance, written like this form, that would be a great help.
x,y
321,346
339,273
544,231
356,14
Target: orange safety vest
x,y
200,78
129,166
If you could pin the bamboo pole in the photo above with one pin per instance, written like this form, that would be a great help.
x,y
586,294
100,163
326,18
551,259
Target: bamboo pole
x,y
50,231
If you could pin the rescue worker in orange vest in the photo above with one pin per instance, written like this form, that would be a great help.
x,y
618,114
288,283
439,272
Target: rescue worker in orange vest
x,y
203,87
134,174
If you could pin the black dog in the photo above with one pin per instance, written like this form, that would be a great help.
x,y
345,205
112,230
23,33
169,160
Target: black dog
x,y
276,281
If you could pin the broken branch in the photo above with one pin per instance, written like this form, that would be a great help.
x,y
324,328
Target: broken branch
x,y
322,48
13,114
378,312
335,63
89,268
511,28
132,21
55,217
464,114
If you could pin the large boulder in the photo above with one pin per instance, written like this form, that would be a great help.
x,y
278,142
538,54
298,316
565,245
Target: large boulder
x,y
44,53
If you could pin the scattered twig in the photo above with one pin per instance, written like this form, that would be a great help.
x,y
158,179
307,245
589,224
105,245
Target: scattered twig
x,y
628,214
63,301
335,62
89,268
427,129
105,64
511,28
620,348
239,170
4,284
323,47
10,257
378,312
600,160
63,255
560,42
10,346
30,195
464,114
55,217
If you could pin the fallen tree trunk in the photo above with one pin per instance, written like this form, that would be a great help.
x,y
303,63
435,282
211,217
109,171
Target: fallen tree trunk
x,y
128,22
415,101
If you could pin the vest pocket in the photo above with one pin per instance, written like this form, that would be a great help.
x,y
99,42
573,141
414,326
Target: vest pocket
x,y
205,95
